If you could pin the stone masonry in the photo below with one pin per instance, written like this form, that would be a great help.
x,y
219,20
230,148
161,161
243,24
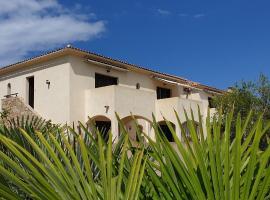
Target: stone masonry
x,y
14,107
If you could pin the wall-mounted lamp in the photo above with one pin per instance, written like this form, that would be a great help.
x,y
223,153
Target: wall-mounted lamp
x,y
188,91
48,83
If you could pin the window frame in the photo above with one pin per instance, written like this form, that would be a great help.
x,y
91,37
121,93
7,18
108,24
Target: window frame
x,y
159,92
100,74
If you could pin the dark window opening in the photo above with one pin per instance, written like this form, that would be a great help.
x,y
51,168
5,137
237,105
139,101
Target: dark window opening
x,y
103,80
163,93
103,127
211,102
8,89
31,89
166,131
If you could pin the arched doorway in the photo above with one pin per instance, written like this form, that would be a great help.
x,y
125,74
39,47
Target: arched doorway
x,y
136,125
102,124
166,130
187,130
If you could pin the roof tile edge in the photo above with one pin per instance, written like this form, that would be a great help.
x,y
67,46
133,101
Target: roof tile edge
x,y
70,49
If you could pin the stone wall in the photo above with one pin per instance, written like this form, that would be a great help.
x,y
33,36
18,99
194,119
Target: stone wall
x,y
14,107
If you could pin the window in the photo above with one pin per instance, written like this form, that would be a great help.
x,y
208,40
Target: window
x,y
103,80
166,130
211,102
31,90
163,93
8,89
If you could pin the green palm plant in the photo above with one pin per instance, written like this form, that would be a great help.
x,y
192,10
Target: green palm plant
x,y
11,129
64,163
211,167
62,169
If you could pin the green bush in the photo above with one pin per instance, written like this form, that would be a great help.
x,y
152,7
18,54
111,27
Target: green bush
x,y
64,163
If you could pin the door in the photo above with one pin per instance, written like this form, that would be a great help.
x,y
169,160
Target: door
x,y
31,91
104,127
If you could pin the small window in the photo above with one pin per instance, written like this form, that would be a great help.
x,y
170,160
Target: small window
x,y
163,93
138,86
103,80
8,89
211,102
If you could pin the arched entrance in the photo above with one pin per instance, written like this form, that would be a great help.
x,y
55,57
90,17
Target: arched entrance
x,y
136,125
165,129
102,124
187,130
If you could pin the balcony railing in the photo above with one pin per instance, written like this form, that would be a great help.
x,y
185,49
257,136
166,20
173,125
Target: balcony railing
x,y
166,107
123,100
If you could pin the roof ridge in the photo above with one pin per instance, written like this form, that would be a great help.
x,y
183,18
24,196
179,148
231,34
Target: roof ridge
x,y
69,46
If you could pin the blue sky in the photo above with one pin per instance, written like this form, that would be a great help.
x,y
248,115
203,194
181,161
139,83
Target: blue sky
x,y
212,42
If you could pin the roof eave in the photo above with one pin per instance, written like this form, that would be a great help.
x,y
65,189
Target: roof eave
x,y
89,55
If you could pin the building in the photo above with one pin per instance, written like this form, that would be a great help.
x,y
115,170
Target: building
x,y
69,85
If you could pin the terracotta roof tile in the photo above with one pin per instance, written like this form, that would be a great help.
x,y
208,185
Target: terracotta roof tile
x,y
111,61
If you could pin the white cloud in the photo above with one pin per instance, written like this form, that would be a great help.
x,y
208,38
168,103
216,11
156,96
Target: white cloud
x,y
183,15
199,15
163,12
35,25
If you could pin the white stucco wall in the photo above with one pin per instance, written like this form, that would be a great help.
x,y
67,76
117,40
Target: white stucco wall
x,y
51,103
72,95
83,78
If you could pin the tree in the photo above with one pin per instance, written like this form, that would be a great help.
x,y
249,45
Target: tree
x,y
246,96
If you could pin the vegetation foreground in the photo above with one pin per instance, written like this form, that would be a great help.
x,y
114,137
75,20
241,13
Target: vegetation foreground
x,y
41,161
